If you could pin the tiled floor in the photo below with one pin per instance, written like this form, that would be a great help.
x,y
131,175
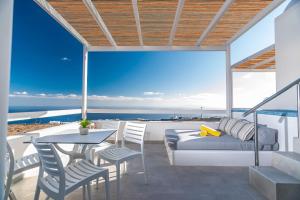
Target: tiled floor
x,y
167,182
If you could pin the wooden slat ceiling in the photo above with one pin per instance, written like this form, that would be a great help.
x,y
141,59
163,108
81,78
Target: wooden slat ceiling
x,y
195,17
120,22
156,19
253,62
238,15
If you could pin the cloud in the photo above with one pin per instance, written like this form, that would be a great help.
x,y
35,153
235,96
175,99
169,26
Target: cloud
x,y
21,93
72,95
248,90
153,93
206,100
65,59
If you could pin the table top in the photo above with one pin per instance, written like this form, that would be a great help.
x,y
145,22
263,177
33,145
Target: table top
x,y
95,136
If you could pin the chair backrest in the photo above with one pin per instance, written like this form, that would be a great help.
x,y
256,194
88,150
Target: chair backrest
x,y
9,164
109,124
134,132
50,163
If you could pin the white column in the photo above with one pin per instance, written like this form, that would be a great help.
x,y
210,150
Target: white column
x,y
6,22
84,83
229,93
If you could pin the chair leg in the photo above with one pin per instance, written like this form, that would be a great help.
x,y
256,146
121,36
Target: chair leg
x,y
11,195
83,192
97,181
107,194
89,191
118,180
144,167
125,168
37,193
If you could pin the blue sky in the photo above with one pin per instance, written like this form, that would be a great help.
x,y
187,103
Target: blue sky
x,y
47,68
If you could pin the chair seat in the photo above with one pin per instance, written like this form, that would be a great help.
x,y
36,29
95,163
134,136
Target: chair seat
x,y
26,163
118,154
76,174
102,146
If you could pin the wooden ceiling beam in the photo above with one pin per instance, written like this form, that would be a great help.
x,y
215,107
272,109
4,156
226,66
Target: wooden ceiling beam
x,y
137,21
95,13
262,62
57,17
155,48
176,21
256,19
214,21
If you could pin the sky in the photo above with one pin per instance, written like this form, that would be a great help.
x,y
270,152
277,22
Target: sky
x,y
47,70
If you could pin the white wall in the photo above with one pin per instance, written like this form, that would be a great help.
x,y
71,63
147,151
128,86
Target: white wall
x,y
287,44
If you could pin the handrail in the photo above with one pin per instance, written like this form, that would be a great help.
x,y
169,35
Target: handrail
x,y
253,109
255,118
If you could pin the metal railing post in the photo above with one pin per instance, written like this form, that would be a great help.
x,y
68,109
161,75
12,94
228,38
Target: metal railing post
x,y
298,108
256,157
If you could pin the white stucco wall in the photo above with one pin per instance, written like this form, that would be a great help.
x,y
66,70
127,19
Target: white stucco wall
x,y
287,44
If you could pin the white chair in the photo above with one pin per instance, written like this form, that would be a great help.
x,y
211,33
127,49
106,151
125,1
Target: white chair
x,y
14,167
133,132
57,181
104,145
9,169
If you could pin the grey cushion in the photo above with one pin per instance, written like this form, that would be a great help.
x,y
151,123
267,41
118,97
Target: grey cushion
x,y
267,136
223,123
246,132
230,124
191,140
237,127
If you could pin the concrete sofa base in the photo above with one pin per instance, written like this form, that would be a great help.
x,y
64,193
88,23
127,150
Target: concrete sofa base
x,y
216,157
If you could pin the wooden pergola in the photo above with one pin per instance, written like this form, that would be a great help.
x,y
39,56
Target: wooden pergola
x,y
263,60
137,25
160,24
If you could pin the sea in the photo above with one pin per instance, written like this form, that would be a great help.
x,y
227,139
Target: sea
x,y
145,114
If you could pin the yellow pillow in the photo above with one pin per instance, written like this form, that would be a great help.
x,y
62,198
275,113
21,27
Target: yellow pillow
x,y
203,133
209,131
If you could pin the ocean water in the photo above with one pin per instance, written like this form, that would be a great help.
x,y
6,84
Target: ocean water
x,y
102,116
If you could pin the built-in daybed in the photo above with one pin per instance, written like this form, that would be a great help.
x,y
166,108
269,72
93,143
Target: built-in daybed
x,y
234,147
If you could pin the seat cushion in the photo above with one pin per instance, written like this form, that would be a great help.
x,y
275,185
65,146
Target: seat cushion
x,y
224,142
191,140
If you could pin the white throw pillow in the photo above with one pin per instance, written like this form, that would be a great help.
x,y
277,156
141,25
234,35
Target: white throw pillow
x,y
247,132
237,127
223,123
230,124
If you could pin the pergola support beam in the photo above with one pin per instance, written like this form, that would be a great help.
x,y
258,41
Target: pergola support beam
x,y
269,48
55,15
179,9
95,13
214,21
263,62
137,21
155,48
256,19
229,84
6,24
84,83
